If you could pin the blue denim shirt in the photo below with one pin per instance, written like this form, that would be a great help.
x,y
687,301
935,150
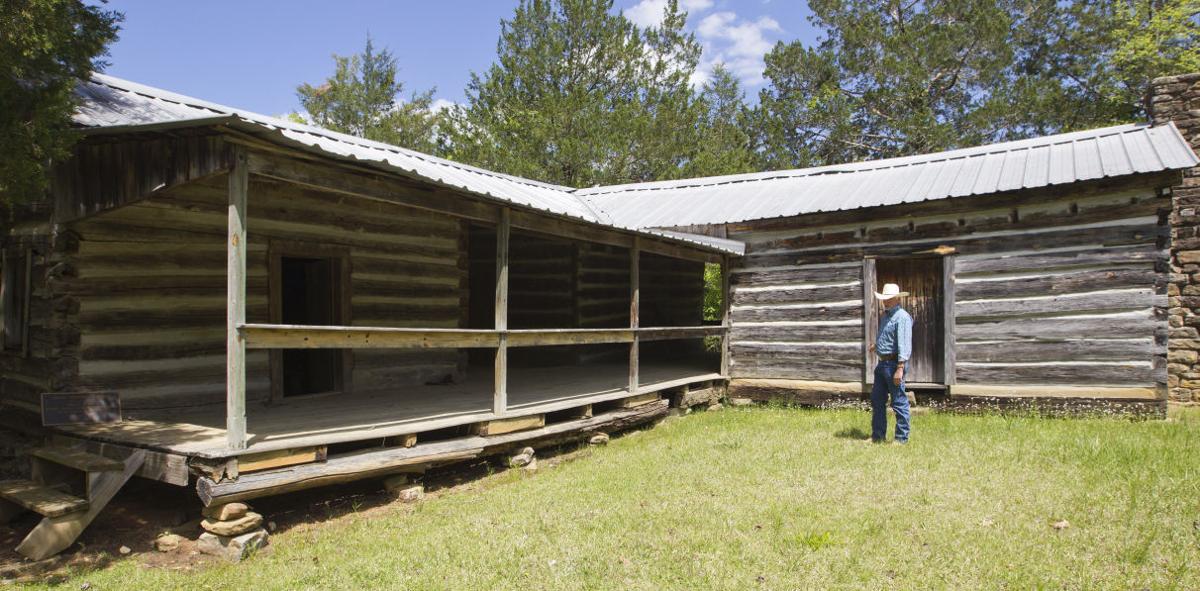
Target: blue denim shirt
x,y
895,334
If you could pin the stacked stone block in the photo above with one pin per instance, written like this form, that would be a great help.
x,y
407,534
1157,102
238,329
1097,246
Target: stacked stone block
x,y
1177,98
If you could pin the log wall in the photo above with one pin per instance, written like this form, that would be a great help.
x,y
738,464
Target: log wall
x,y
150,288
50,360
1050,289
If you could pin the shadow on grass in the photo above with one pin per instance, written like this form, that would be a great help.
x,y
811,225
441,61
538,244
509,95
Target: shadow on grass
x,y
852,433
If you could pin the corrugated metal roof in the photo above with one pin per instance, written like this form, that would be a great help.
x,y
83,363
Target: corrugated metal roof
x,y
113,104
1039,162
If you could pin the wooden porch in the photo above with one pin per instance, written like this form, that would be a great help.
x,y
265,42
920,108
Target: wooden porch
x,y
321,421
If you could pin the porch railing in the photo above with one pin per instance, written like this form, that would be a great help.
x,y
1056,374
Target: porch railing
x,y
241,335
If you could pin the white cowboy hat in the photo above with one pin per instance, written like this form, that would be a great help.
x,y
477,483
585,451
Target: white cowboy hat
x,y
890,290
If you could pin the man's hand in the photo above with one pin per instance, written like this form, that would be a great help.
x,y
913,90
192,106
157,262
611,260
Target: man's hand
x,y
896,379
871,347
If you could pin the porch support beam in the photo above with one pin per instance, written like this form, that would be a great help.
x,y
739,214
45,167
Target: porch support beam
x,y
235,305
635,255
503,231
726,305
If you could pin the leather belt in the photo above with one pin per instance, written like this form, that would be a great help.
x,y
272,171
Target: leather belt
x,y
891,357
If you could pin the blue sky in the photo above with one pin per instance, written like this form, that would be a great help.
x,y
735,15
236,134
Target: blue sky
x,y
252,54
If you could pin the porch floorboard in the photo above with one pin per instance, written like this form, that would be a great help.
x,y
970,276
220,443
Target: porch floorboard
x,y
326,420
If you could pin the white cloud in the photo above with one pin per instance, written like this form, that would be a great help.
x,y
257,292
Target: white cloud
x,y
725,37
736,42
441,104
648,13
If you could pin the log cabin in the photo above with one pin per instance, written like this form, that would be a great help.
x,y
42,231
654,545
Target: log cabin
x,y
255,306
213,298
1038,269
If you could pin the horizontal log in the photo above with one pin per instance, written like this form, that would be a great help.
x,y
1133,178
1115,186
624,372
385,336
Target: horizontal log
x,y
1002,263
1036,217
802,332
1134,232
1064,373
282,336
377,463
756,278
1067,327
1133,299
767,351
800,367
829,293
1057,283
805,314
979,392
1079,350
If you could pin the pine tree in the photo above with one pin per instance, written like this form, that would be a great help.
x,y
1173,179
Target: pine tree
x,y
723,143
890,78
579,95
360,98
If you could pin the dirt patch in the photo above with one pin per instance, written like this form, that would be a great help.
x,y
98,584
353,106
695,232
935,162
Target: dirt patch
x,y
144,510
141,512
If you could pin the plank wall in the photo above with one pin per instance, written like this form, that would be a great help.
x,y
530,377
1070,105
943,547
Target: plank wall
x,y
1066,289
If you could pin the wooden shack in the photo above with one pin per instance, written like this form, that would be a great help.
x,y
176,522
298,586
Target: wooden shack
x,y
1038,269
274,307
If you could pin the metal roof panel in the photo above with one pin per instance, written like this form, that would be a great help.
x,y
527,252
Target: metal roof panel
x,y
113,104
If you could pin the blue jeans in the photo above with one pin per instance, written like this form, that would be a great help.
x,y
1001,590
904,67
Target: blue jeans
x,y
882,389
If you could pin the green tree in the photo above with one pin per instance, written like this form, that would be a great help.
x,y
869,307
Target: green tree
x,y
723,143
46,46
892,78
579,95
887,78
361,98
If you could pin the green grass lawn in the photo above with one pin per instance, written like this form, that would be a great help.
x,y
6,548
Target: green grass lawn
x,y
773,498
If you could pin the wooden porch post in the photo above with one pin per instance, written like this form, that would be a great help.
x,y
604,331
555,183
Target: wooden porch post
x,y
235,306
503,231
635,255
726,304
870,319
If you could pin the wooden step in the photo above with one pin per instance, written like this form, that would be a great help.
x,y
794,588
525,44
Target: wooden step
x,y
40,498
78,459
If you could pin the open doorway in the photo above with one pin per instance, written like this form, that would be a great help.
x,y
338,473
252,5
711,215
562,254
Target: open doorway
x,y
925,279
308,287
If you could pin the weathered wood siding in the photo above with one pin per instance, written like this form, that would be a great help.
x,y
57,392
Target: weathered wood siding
x,y
51,358
1063,288
151,287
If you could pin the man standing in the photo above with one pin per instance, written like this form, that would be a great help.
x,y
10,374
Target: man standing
x,y
893,345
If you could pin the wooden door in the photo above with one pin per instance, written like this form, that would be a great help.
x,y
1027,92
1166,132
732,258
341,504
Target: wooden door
x,y
923,279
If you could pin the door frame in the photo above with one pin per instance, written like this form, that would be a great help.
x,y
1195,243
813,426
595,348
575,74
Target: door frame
x,y
871,316
339,257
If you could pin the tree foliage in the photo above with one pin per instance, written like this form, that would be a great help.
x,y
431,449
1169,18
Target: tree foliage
x,y
45,47
723,140
579,95
893,77
361,98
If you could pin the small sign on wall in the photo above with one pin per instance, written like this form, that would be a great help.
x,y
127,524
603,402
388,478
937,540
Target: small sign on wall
x,y
80,408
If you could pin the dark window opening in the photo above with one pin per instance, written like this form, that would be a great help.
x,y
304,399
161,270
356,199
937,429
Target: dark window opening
x,y
14,297
309,288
